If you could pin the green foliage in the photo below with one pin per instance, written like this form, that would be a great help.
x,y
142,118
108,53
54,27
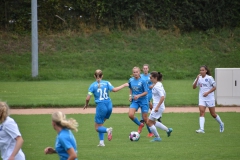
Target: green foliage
x,y
73,93
56,15
183,144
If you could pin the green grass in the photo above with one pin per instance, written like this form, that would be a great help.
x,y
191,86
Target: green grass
x,y
183,144
73,93
76,56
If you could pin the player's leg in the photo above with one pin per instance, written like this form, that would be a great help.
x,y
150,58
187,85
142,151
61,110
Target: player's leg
x,y
150,134
101,111
109,112
100,129
211,108
131,113
161,125
144,110
151,124
202,108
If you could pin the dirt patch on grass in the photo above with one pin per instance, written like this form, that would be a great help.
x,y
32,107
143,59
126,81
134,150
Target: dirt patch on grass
x,y
115,110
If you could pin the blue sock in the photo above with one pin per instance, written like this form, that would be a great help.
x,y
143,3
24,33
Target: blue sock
x,y
149,131
135,120
102,129
101,136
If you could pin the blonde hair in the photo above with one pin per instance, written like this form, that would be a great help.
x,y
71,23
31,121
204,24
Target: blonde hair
x,y
136,68
60,119
98,74
4,111
146,65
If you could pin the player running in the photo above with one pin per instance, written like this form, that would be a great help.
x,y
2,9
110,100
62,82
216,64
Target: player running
x,y
207,87
100,89
146,76
11,140
65,144
138,98
158,95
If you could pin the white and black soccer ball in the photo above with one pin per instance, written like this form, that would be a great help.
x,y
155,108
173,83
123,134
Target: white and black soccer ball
x,y
134,136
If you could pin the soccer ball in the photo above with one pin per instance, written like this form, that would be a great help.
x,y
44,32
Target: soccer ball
x,y
134,136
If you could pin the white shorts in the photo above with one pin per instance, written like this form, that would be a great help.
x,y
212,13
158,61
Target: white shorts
x,y
207,103
155,115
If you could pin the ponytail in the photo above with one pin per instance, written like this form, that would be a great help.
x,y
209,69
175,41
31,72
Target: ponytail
x,y
98,75
157,75
60,119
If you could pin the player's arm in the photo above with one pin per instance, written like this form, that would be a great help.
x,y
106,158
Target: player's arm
x,y
120,87
18,145
140,95
72,154
212,89
87,100
160,92
49,150
145,91
195,82
130,95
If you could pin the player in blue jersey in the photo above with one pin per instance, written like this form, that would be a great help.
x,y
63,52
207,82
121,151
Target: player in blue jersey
x,y
138,98
100,89
65,144
146,76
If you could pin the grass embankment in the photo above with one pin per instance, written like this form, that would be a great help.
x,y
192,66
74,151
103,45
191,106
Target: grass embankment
x,y
71,55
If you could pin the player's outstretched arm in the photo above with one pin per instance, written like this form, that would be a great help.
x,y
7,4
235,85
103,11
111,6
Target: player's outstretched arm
x,y
120,87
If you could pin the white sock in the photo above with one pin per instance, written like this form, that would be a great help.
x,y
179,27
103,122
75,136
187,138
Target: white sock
x,y
154,130
161,126
201,122
101,142
218,119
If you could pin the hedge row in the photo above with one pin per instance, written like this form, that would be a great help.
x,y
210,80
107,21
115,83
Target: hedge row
x,y
57,15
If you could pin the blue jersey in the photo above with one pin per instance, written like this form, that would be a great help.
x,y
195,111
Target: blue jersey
x,y
64,141
101,94
138,86
149,83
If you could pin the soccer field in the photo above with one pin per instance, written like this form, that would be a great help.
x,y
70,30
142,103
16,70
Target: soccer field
x,y
183,144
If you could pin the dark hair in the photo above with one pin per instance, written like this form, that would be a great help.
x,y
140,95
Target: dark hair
x,y
206,68
157,75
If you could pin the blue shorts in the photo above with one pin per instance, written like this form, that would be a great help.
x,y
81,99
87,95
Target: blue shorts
x,y
149,97
139,104
103,111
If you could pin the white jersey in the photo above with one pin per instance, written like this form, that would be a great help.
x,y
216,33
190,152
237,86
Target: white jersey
x,y
205,84
8,132
157,92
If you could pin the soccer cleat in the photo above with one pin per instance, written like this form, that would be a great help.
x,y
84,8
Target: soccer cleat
x,y
169,132
101,145
150,135
200,131
159,120
110,133
222,127
156,139
140,127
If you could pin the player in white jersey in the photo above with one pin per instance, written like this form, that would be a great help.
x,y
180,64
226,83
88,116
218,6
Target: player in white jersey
x,y
10,138
207,87
158,95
